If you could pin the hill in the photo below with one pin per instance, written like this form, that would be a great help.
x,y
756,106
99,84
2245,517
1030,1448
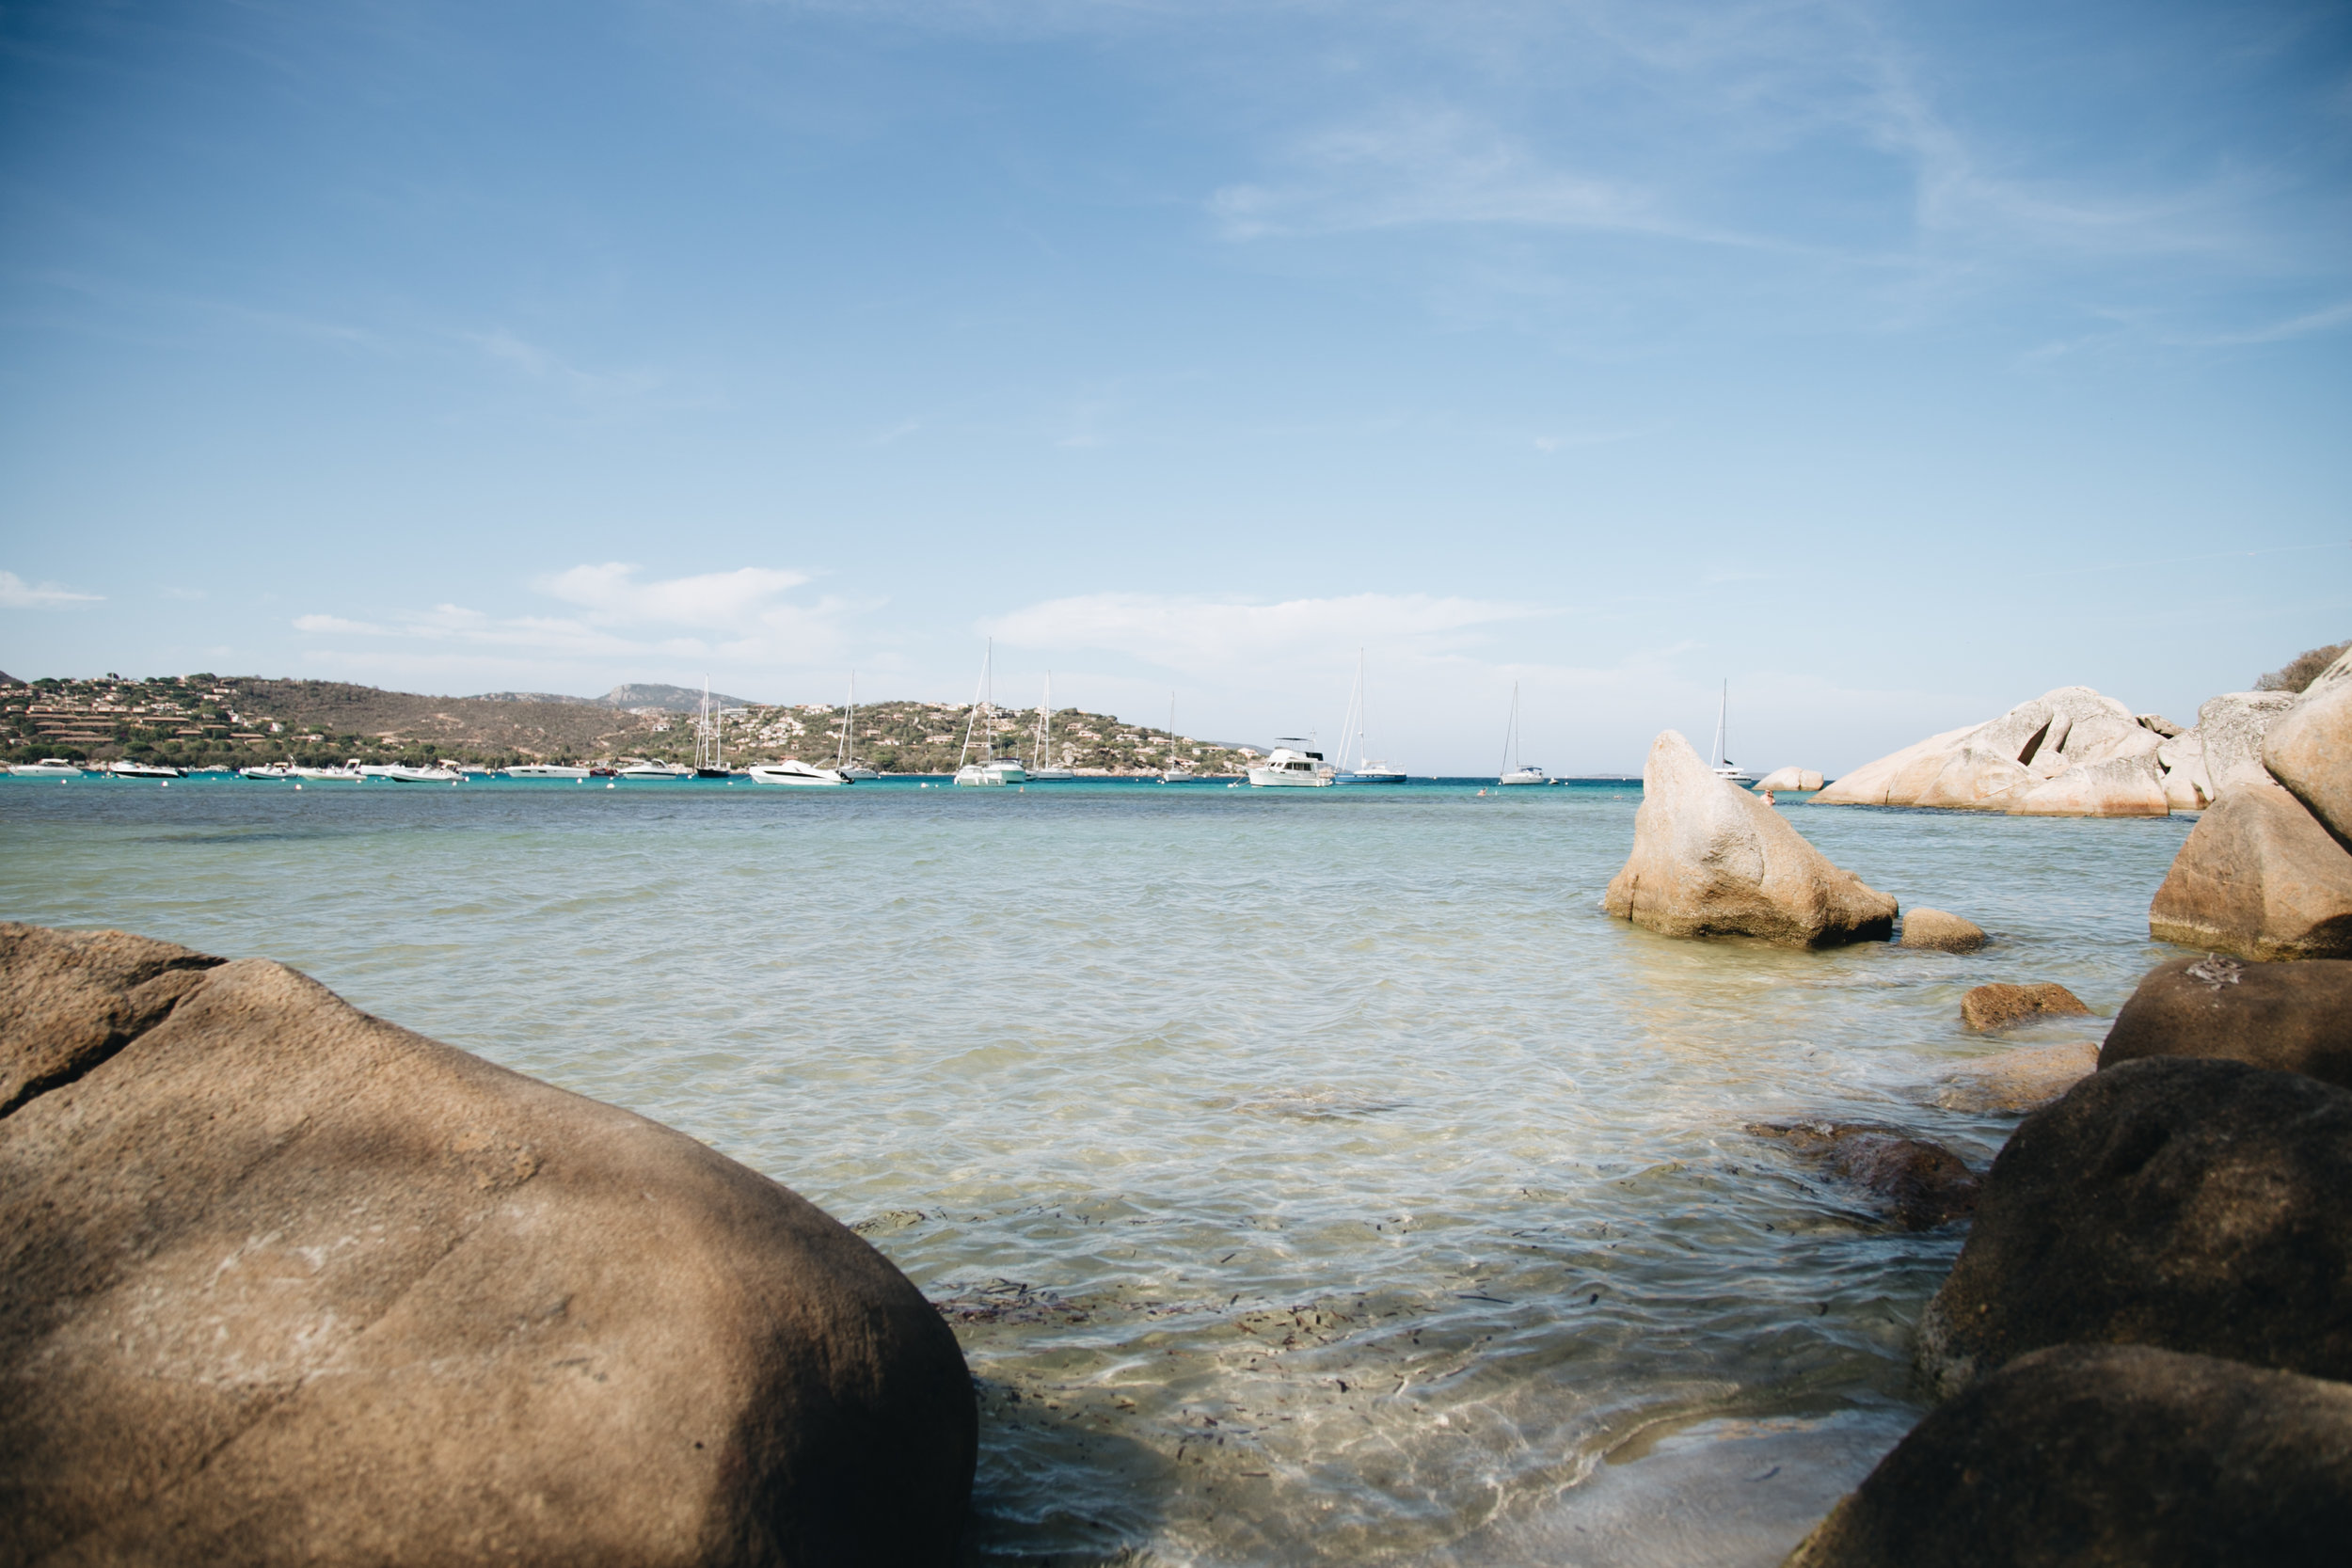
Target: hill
x,y
207,721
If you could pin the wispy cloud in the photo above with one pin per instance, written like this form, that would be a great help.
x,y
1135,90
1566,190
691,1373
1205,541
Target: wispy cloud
x,y
16,594
612,595
544,365
1188,633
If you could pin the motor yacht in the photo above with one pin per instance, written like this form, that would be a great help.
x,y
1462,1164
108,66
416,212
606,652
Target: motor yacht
x,y
545,770
273,772
47,767
793,771
994,771
637,767
348,774
144,770
401,773
1290,766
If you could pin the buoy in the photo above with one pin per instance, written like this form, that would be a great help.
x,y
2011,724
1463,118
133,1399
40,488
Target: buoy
x,y
298,786
609,784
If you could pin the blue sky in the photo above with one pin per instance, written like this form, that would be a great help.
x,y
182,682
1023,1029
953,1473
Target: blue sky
x,y
1895,362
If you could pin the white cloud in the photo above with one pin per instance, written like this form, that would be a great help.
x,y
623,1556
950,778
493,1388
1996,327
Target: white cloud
x,y
16,594
1193,632
612,595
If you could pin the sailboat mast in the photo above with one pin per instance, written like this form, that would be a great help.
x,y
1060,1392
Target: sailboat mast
x,y
1721,713
1171,736
971,723
848,718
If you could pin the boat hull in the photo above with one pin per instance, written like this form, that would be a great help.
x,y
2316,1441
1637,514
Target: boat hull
x,y
546,771
798,778
1283,778
1525,776
1369,778
44,770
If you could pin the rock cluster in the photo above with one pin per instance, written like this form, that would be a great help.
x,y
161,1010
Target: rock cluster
x,y
2267,873
2146,1344
281,1282
1709,859
2068,753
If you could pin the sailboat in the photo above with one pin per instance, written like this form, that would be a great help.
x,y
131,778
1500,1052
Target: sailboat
x,y
709,750
1513,770
1352,729
843,763
1723,767
1044,741
987,769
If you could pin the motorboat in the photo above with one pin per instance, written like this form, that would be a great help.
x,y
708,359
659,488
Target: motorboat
x,y
144,770
1723,767
545,770
638,768
1370,772
401,773
1290,766
994,770
47,767
273,772
1513,770
792,771
987,770
348,774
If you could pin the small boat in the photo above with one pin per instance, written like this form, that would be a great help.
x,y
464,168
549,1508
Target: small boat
x,y
144,770
638,767
401,773
1291,766
545,770
1366,771
1513,770
1723,767
47,767
792,771
348,774
275,772
987,770
1043,740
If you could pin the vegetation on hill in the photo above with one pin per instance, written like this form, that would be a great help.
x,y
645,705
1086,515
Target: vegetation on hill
x,y
2302,669
207,721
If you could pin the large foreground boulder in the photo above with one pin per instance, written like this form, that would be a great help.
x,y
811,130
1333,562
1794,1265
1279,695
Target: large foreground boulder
x,y
2068,753
2091,1456
1709,859
280,1282
2260,878
2293,1017
2309,751
2195,1206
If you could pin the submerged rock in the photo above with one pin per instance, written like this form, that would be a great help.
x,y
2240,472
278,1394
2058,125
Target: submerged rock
x,y
2309,751
2014,1082
1986,1008
1919,1184
1709,859
2197,1206
280,1282
2293,1017
1948,933
2095,1456
2260,878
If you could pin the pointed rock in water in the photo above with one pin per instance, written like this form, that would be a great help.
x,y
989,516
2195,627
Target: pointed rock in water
x,y
2003,1006
2109,1457
2198,1206
2258,877
1950,933
1709,859
285,1283
2293,1017
2309,751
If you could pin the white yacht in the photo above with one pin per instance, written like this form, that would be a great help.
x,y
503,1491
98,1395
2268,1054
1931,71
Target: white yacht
x,y
1513,770
1290,766
987,769
1352,728
47,767
144,770
1723,767
401,773
791,772
348,774
638,767
1044,767
273,772
545,770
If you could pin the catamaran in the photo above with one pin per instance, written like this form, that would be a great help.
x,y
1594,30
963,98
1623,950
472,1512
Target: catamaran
x,y
1513,770
1042,743
1291,766
1723,767
987,769
1353,728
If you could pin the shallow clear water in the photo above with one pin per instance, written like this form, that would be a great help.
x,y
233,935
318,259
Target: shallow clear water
x,y
1311,1176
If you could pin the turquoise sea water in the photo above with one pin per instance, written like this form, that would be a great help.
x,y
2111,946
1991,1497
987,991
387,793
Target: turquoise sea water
x,y
1311,1176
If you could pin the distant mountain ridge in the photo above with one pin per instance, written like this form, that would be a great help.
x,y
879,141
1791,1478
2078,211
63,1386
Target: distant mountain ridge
x,y
674,699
